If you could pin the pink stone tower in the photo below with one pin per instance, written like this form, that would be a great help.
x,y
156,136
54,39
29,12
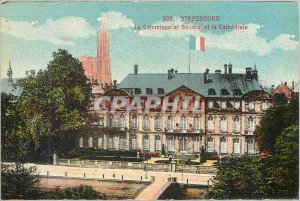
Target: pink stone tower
x,y
98,68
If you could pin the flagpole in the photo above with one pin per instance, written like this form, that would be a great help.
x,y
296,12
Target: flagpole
x,y
189,55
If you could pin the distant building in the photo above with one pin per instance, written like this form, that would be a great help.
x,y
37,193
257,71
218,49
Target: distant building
x,y
98,68
284,89
229,107
8,85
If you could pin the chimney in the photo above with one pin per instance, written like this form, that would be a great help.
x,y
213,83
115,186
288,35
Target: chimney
x,y
293,85
206,76
176,71
285,83
230,68
169,75
115,83
248,73
225,68
136,69
218,71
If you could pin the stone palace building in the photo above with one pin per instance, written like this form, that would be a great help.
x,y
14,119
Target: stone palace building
x,y
230,106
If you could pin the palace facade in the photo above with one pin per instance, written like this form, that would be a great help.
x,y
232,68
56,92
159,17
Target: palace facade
x,y
229,107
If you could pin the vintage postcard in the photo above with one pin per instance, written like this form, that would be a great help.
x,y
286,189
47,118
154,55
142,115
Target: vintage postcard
x,y
149,100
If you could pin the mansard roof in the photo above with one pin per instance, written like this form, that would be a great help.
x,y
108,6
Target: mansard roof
x,y
194,81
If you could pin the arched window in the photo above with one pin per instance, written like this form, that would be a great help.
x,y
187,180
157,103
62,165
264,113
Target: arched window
x,y
157,122
183,123
223,125
122,120
111,121
236,124
197,123
197,144
170,123
223,145
210,124
133,142
133,121
236,146
90,142
146,122
146,142
250,124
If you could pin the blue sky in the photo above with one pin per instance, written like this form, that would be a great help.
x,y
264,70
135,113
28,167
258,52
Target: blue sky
x,y
31,31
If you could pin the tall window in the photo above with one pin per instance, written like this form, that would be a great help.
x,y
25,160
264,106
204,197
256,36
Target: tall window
x,y
122,142
157,143
250,146
170,123
183,143
81,142
133,121
133,142
111,121
122,120
237,105
223,145
251,106
197,123
250,124
100,142
236,145
223,125
183,123
90,142
210,145
223,105
171,143
236,124
197,144
110,142
210,123
146,142
146,122
157,120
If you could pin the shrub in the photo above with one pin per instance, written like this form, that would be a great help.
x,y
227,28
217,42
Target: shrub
x,y
75,193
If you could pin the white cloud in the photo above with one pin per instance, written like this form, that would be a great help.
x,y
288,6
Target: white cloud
x,y
62,31
116,20
237,40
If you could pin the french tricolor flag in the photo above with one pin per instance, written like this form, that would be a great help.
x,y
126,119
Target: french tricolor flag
x,y
197,43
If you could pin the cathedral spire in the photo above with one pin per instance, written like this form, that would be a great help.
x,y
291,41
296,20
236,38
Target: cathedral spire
x,y
9,71
103,39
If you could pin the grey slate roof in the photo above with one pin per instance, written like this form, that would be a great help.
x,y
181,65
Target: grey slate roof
x,y
194,81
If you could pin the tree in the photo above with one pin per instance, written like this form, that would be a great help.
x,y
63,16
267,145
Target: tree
x,y
203,155
237,178
276,119
18,182
54,103
282,168
75,193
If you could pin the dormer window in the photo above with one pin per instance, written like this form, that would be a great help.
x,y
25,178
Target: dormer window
x,y
237,92
224,92
149,91
211,92
137,90
160,91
